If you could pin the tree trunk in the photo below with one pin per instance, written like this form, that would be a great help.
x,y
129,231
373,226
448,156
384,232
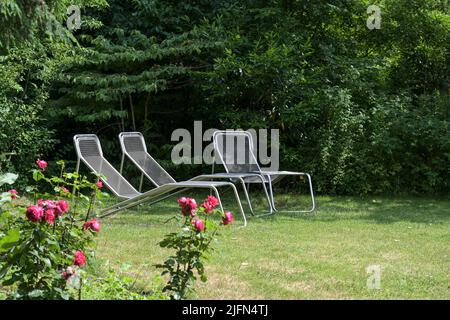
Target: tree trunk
x,y
133,120
121,117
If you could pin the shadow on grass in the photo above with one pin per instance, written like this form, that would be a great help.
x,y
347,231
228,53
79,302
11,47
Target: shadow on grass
x,y
159,213
376,209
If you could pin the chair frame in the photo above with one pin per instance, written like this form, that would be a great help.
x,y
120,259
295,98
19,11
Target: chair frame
x,y
154,195
262,172
203,177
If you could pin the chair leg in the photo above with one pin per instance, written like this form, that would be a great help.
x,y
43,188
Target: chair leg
x,y
272,199
311,192
218,198
141,182
236,194
237,199
247,195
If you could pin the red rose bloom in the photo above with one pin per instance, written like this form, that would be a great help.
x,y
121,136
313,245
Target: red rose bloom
x,y
210,203
208,207
199,225
61,207
228,218
213,201
92,225
35,213
41,164
13,194
48,204
188,206
49,216
182,201
79,259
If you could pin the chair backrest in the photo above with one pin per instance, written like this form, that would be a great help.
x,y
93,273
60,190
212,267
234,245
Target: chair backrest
x,y
133,146
235,151
89,150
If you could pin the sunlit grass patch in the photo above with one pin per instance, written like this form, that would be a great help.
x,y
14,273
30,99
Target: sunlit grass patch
x,y
320,255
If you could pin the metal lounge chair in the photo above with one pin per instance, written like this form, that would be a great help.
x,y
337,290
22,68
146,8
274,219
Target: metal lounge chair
x,y
89,151
235,151
134,148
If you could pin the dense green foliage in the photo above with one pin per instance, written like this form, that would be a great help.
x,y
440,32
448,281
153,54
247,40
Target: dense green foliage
x,y
34,44
365,111
23,94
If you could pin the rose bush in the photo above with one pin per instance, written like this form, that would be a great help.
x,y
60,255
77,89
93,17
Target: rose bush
x,y
191,244
44,246
47,246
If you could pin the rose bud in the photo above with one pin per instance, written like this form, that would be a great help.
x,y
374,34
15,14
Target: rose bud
x,y
41,164
199,225
228,218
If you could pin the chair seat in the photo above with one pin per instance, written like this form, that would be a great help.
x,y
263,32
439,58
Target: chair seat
x,y
276,173
255,179
129,195
202,183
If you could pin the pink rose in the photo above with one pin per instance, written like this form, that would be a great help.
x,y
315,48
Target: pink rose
x,y
79,259
228,218
208,207
198,225
92,225
210,203
35,213
99,184
46,203
41,164
213,201
188,206
61,207
182,201
13,194
50,204
64,189
49,216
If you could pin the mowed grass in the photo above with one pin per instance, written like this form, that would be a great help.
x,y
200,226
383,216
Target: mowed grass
x,y
320,255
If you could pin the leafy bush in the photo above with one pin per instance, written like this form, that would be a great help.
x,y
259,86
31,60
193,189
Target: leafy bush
x,y
353,112
45,245
24,130
346,99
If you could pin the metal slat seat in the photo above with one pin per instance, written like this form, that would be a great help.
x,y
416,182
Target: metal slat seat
x,y
90,152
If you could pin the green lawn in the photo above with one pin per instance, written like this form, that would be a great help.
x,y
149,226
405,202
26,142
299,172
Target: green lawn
x,y
323,255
